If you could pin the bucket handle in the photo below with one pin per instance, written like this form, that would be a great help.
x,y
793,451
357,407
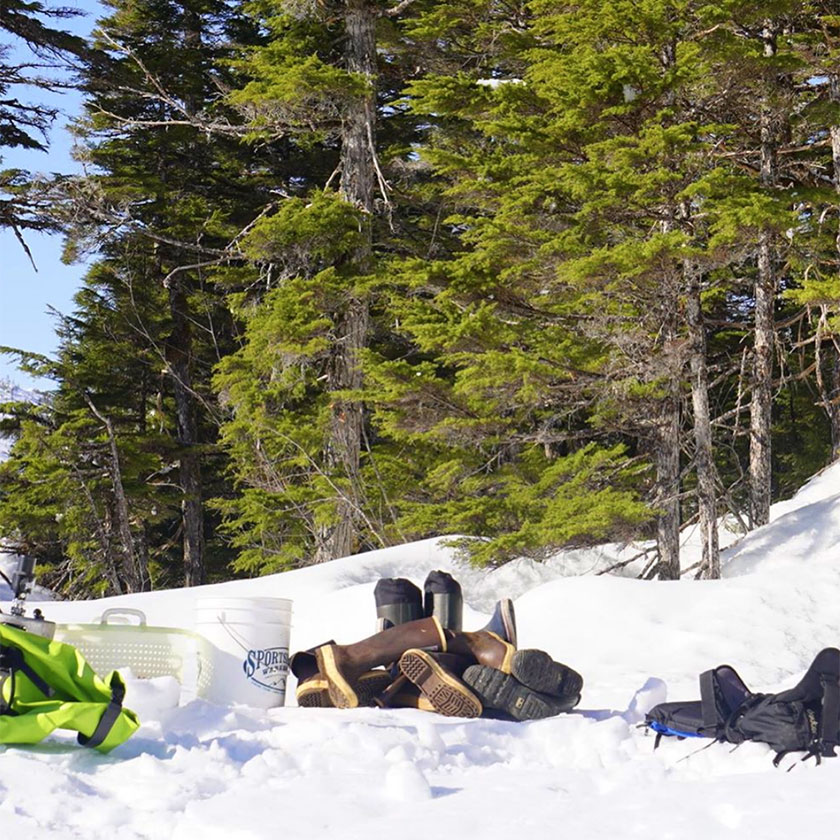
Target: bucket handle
x,y
123,611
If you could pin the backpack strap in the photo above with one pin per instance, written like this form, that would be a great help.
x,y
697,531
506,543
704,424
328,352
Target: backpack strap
x,y
11,660
6,707
712,721
109,716
830,718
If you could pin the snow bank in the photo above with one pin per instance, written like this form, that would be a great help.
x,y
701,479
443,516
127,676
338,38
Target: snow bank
x,y
241,774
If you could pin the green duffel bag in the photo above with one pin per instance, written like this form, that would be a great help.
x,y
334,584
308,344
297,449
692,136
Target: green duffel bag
x,y
47,685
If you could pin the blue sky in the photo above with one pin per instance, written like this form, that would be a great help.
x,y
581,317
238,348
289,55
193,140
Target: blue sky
x,y
26,295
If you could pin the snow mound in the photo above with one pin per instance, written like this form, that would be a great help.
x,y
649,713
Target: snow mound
x,y
238,773
803,529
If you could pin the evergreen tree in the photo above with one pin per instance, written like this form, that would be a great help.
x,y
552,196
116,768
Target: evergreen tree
x,y
503,401
818,167
519,271
162,207
23,123
607,150
185,195
305,457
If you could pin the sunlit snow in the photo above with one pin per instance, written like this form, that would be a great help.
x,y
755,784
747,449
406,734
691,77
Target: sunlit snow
x,y
239,773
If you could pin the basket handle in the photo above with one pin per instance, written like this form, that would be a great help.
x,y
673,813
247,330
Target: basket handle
x,y
123,611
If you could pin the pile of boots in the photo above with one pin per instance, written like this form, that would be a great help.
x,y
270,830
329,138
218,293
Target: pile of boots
x,y
421,658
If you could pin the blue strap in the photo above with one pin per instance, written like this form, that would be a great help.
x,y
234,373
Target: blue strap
x,y
662,729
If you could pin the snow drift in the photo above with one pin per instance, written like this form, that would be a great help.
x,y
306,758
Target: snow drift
x,y
240,773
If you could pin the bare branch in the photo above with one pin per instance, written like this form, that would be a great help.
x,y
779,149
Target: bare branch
x,y
395,10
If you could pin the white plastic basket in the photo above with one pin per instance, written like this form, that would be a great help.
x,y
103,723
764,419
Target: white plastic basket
x,y
148,651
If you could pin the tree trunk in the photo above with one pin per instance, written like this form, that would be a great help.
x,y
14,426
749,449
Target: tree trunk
x,y
704,459
761,404
667,436
179,357
834,392
667,501
667,423
358,178
358,135
132,574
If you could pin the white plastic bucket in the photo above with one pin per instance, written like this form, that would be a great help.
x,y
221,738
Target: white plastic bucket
x,y
249,649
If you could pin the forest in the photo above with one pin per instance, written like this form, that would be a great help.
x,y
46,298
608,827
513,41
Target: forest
x,y
543,274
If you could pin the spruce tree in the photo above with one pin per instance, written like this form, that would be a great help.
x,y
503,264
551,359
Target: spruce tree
x,y
608,150
24,121
329,80
185,195
500,403
161,207
818,159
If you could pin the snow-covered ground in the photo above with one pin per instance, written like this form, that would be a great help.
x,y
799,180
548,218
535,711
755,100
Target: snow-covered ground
x,y
239,773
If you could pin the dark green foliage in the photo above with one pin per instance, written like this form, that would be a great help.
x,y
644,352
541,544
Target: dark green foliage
x,y
24,120
371,272
160,209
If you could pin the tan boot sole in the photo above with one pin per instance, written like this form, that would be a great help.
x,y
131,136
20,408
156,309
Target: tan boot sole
x,y
412,701
314,693
446,693
408,697
370,685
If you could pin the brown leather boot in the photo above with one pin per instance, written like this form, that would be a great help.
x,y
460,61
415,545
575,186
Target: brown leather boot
x,y
437,677
403,693
313,692
483,647
495,644
535,669
303,664
342,665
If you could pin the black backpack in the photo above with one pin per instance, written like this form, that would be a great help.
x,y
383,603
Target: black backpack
x,y
804,718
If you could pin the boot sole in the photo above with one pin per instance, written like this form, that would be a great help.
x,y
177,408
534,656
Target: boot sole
x,y
501,691
341,692
412,701
371,685
446,693
315,694
538,671
303,664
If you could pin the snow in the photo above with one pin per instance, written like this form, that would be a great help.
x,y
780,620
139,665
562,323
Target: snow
x,y
240,773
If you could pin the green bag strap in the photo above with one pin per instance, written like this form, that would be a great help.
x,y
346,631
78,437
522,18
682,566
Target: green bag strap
x,y
109,717
6,706
11,659
78,698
